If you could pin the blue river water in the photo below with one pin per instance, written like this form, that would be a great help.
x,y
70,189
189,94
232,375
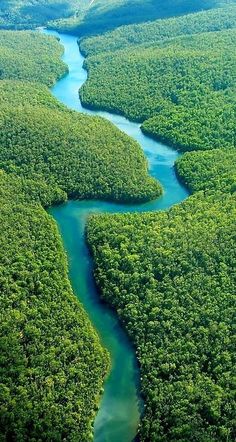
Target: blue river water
x,y
121,405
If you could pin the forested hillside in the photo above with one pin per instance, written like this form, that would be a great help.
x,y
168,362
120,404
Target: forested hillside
x,y
102,15
159,30
23,14
85,157
210,170
182,89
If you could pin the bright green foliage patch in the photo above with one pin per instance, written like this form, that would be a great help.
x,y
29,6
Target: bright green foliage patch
x,y
42,140
52,364
85,157
183,89
215,170
23,93
171,278
30,56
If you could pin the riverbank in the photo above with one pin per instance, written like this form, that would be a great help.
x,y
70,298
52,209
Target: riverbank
x,y
119,413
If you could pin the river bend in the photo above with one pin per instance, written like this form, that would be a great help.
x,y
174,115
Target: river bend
x,y
120,408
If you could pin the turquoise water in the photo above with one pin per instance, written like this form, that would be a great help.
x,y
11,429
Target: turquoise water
x,y
121,405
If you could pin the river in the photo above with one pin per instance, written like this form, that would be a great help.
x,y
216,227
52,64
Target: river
x,y
119,414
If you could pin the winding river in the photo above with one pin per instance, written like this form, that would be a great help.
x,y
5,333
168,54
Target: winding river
x,y
120,408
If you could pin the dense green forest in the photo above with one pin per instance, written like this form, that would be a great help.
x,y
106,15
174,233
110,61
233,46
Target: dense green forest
x,y
24,14
210,170
102,15
159,30
41,139
183,88
171,278
171,275
52,365
20,60
86,157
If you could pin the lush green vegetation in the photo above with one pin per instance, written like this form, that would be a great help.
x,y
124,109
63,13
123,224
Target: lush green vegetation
x,y
52,365
30,56
159,30
21,14
210,170
102,15
85,157
171,278
170,275
41,139
183,88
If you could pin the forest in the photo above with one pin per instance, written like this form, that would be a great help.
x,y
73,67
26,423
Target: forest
x,y
171,278
85,157
159,30
183,88
101,15
17,47
171,275
210,170
27,14
52,364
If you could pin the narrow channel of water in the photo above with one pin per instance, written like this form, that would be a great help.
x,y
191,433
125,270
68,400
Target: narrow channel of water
x,y
119,413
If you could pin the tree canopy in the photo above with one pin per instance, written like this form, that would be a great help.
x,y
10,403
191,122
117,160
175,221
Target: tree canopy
x,y
181,88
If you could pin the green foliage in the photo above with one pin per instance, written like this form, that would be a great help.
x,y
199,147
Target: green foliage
x,y
170,275
171,278
52,365
84,156
22,14
183,88
102,15
159,30
30,56
42,140
215,170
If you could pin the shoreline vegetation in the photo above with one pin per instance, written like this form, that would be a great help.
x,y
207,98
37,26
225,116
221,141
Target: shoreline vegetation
x,y
185,93
169,275
49,153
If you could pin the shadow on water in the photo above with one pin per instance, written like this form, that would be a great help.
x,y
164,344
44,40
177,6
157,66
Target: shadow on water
x,y
121,405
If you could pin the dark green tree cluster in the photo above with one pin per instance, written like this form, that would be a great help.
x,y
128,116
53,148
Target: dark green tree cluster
x,y
102,15
30,56
156,31
210,170
182,89
171,278
25,14
52,365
